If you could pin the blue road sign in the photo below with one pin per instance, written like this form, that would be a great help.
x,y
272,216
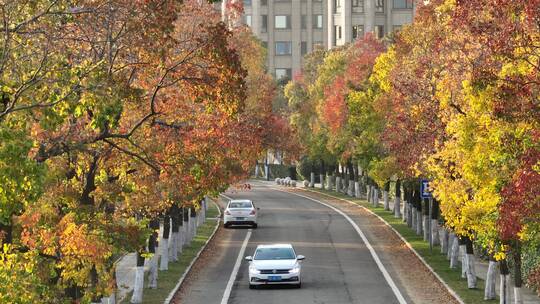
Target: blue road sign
x,y
424,189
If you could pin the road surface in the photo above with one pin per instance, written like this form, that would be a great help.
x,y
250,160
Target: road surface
x,y
339,267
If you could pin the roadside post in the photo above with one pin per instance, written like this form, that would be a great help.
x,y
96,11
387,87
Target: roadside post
x,y
426,193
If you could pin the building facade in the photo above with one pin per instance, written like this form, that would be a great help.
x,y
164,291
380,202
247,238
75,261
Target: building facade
x,y
289,29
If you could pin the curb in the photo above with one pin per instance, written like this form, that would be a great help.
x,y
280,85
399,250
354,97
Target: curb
x,y
448,288
188,269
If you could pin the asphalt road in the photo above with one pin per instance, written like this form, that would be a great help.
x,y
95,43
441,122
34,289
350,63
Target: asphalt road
x,y
338,268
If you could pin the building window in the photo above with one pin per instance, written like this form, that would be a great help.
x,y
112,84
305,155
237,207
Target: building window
x,y
247,2
264,23
338,32
317,21
282,74
403,3
357,6
283,48
357,31
264,44
303,48
264,2
379,31
282,21
303,22
379,6
337,6
247,20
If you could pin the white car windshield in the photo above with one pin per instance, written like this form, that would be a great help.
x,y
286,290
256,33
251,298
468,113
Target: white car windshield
x,y
240,205
274,254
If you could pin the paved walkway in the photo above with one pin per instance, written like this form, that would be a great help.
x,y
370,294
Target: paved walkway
x,y
529,296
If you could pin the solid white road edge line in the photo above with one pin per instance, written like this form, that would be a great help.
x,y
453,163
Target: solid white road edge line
x,y
385,273
234,273
184,275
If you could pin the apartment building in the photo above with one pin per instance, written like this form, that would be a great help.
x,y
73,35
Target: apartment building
x,y
289,29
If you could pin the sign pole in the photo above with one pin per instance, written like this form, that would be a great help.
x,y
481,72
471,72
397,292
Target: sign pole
x,y
429,225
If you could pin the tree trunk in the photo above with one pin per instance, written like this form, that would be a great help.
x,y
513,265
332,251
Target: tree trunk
x,y
369,195
454,251
471,265
338,178
344,180
397,200
504,292
376,196
518,277
417,201
164,246
419,229
451,237
435,239
444,240
329,179
463,254
386,199
152,244
175,218
139,280
256,168
489,290
193,220
187,227
322,173
351,177
181,231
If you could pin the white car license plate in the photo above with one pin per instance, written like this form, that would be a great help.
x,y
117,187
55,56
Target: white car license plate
x,y
240,218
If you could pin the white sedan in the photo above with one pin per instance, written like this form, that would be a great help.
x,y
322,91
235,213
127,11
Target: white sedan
x,y
240,212
275,264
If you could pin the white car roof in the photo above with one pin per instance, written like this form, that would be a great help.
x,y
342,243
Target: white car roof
x,y
274,246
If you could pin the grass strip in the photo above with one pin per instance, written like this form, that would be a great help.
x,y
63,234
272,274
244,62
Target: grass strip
x,y
435,259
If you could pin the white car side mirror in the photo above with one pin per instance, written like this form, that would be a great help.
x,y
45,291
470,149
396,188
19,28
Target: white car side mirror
x,y
248,258
300,257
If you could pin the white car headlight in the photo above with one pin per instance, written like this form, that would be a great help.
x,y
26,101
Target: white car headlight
x,y
254,270
296,269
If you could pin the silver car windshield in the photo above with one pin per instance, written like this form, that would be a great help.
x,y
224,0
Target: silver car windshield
x,y
274,254
240,205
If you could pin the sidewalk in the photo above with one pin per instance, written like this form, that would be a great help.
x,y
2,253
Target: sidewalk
x,y
528,295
